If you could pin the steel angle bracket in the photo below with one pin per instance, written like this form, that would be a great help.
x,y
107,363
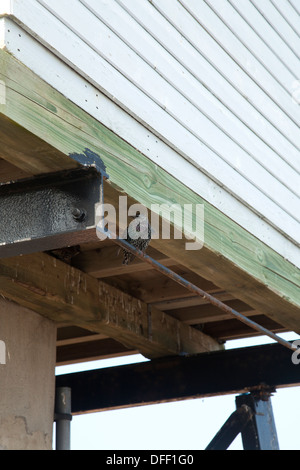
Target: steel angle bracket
x,y
52,211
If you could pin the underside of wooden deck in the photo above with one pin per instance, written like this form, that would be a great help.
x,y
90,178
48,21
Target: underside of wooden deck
x,y
39,131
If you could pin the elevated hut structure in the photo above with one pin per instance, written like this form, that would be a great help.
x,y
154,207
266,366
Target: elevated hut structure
x,y
189,109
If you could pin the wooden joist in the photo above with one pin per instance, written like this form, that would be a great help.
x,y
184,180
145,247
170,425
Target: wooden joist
x,y
207,313
65,294
106,261
91,351
28,152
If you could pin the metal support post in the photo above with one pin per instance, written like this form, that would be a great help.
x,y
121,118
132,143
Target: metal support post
x,y
63,418
232,427
260,433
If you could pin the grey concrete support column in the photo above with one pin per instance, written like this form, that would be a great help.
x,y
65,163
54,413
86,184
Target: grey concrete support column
x,y
27,379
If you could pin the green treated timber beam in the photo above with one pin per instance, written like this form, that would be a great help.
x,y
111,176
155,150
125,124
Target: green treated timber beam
x,y
231,257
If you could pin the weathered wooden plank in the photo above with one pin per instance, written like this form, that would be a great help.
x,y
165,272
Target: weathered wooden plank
x,y
90,351
70,334
155,288
260,295
231,257
64,294
208,313
106,262
9,172
28,152
232,329
187,302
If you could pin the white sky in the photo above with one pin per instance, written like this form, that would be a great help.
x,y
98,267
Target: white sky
x,y
185,425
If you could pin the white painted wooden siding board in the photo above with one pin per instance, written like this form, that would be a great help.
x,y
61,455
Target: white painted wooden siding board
x,y
257,47
295,4
116,52
238,65
6,7
230,70
180,78
187,55
63,78
279,24
262,28
288,12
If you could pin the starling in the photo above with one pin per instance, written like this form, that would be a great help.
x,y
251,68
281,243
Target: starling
x,y
138,234
66,254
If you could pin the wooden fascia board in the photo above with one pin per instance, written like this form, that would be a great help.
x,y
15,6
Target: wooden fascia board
x,y
231,257
62,293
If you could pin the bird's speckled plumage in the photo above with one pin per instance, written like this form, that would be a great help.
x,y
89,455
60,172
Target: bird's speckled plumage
x,y
138,234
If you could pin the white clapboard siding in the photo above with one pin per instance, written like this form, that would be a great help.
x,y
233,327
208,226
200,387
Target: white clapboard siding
x,y
265,31
241,42
239,66
295,4
195,92
188,55
191,88
278,22
244,137
187,123
288,12
252,41
72,85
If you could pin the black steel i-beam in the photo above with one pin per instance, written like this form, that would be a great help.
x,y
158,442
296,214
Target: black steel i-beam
x,y
178,378
53,210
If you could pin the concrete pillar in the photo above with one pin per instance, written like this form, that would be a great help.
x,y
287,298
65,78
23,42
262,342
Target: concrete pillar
x,y
27,378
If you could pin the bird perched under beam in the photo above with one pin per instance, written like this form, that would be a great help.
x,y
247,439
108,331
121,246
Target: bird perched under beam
x,y
138,234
